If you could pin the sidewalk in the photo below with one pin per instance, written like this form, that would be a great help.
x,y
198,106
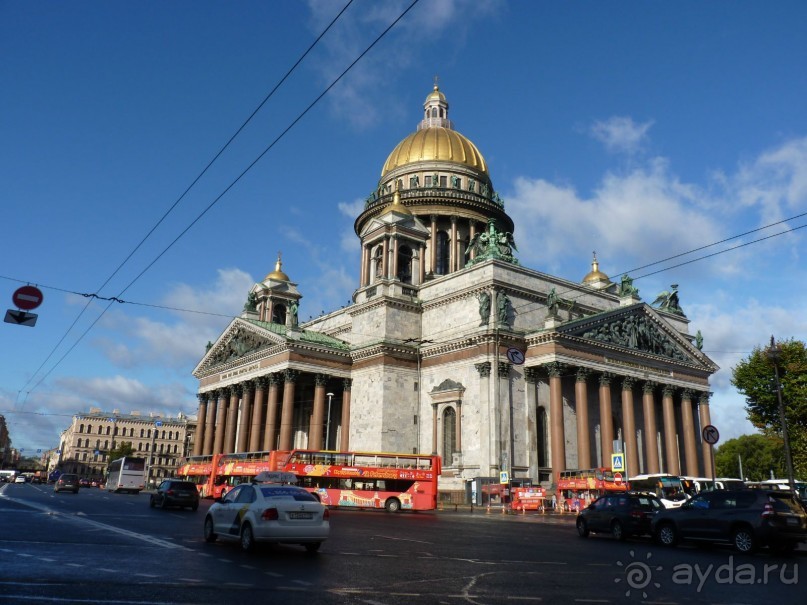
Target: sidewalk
x,y
496,510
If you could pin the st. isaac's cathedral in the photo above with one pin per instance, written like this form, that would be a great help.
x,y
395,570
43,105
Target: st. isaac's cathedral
x,y
452,347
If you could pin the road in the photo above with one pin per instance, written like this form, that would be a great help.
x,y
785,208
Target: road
x,y
102,548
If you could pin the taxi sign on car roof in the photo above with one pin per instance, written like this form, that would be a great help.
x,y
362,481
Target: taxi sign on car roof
x,y
275,477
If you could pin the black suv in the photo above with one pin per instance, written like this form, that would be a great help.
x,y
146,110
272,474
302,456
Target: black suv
x,y
747,519
66,482
622,515
173,492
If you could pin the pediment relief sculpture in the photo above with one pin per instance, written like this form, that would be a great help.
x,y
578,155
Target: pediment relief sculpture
x,y
241,342
638,333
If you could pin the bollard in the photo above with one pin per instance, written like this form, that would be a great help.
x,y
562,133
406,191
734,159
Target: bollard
x,y
488,507
524,510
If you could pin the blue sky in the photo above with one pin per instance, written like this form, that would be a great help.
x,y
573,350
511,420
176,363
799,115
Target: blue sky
x,y
641,130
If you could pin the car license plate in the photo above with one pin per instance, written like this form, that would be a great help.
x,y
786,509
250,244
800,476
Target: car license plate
x,y
792,521
301,515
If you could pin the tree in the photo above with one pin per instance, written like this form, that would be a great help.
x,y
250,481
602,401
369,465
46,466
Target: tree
x,y
760,455
754,377
124,449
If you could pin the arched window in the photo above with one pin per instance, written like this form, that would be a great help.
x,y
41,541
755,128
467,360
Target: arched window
x,y
449,435
81,428
379,261
279,313
99,429
106,444
142,433
405,264
434,112
139,447
442,253
542,437
108,430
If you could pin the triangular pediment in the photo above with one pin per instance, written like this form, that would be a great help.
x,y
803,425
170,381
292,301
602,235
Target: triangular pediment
x,y
240,340
637,328
401,222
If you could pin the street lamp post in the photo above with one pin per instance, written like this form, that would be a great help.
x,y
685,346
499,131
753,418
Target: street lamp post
x,y
774,353
328,422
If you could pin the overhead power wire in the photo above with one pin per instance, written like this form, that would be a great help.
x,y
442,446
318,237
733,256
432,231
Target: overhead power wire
x,y
189,187
229,187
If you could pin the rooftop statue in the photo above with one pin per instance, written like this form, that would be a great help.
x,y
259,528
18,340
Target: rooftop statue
x,y
251,306
626,287
668,301
491,243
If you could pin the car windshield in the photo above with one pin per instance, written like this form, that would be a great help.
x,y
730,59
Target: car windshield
x,y
287,493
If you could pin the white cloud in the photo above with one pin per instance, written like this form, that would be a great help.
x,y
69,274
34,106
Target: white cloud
x,y
644,214
620,134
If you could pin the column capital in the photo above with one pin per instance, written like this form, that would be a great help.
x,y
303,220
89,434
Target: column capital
x,y
347,384
668,390
248,386
237,389
606,378
203,397
554,369
649,386
483,368
290,375
275,378
703,398
504,368
531,375
261,382
686,394
582,374
321,380
224,392
628,382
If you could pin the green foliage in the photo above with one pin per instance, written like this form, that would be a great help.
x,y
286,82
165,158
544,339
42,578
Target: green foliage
x,y
760,455
755,378
124,449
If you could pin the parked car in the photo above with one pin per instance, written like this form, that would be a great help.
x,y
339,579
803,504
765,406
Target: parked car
x,y
84,482
173,492
19,479
747,519
269,512
622,515
66,482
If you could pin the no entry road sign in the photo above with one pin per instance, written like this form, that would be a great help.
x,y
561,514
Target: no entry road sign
x,y
27,298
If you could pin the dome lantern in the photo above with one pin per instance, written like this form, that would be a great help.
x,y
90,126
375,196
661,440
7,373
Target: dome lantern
x,y
596,278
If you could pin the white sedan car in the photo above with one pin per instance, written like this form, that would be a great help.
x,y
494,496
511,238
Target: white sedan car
x,y
268,512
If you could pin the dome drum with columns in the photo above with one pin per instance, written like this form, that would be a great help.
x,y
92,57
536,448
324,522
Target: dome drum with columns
x,y
419,362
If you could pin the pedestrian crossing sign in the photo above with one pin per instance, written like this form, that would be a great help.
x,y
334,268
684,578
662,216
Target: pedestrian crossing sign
x,y
504,477
618,463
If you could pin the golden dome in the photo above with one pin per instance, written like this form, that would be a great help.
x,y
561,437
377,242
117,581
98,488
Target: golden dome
x,y
277,274
436,95
595,275
435,143
397,206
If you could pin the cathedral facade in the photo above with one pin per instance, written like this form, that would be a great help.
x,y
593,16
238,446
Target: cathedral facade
x,y
450,346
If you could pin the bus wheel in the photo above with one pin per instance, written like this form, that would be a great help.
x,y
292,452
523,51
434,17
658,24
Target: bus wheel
x,y
247,538
393,505
210,535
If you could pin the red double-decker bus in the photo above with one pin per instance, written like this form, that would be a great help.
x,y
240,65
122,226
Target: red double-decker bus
x,y
217,474
364,480
577,489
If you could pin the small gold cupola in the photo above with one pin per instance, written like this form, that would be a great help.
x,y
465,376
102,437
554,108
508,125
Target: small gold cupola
x,y
278,274
596,278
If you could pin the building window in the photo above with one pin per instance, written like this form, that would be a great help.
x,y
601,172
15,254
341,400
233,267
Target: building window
x,y
81,428
279,313
442,253
443,181
108,429
142,433
139,447
99,430
427,181
379,261
542,436
405,264
449,435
